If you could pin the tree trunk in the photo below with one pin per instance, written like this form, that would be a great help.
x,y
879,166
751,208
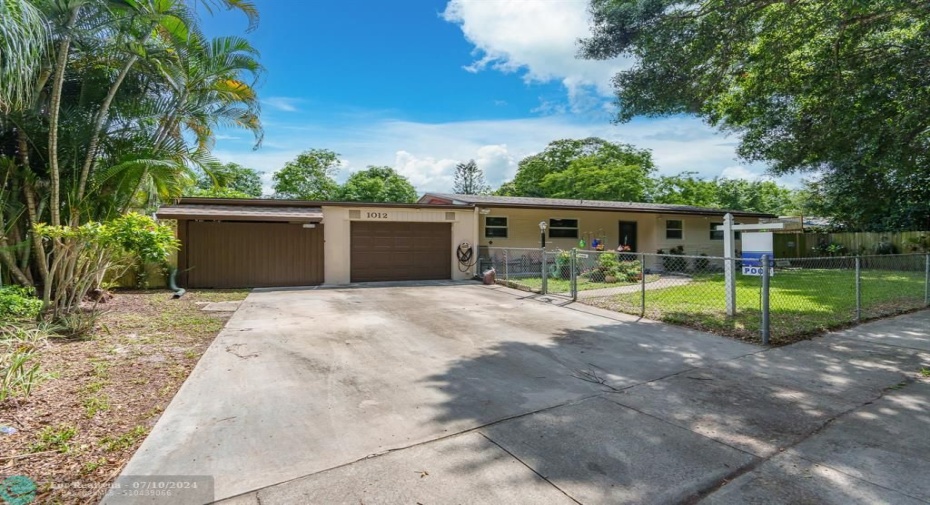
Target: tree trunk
x,y
32,209
61,64
100,121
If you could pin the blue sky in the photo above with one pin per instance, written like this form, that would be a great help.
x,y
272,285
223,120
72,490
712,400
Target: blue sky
x,y
421,85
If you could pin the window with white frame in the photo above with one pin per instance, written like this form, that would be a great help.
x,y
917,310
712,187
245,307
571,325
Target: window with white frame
x,y
563,228
674,229
495,227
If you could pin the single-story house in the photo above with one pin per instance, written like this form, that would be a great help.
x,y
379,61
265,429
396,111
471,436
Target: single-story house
x,y
228,243
514,222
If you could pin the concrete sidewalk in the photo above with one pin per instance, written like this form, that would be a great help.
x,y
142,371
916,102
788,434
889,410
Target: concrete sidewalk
x,y
841,419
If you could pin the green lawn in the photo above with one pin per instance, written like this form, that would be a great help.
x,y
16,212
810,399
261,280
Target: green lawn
x,y
555,285
802,301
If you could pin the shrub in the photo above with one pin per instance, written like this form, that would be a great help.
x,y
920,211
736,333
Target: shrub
x,y
672,264
18,304
919,244
701,264
144,241
885,247
830,249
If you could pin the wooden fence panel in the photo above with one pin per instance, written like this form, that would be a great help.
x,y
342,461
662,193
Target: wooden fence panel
x,y
805,245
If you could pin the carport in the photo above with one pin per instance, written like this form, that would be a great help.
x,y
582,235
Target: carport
x,y
230,246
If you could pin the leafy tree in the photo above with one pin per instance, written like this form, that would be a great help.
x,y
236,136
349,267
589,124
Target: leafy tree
x,y
684,189
378,184
890,205
594,178
559,154
229,178
755,196
834,87
216,192
506,189
310,176
469,180
105,107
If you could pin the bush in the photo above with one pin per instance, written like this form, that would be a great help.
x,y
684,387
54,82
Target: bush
x,y
144,240
830,249
701,264
919,244
885,247
19,304
672,264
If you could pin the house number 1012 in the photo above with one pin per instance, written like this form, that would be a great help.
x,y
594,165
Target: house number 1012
x,y
377,215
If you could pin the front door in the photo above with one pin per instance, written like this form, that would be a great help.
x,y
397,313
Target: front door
x,y
628,234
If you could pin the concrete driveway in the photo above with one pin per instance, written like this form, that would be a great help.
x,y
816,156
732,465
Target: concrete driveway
x,y
463,393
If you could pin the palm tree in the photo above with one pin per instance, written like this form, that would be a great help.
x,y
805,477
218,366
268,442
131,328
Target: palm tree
x,y
24,38
107,106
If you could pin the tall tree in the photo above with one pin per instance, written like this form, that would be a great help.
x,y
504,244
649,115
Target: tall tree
x,y
112,117
594,178
378,184
835,87
755,196
310,176
685,188
232,177
469,180
558,156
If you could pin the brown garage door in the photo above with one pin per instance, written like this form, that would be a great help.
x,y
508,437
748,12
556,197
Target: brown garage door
x,y
251,255
393,251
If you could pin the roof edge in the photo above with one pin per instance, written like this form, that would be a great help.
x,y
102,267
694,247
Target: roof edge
x,y
699,212
275,202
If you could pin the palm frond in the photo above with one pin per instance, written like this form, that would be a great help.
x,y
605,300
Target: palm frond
x,y
24,40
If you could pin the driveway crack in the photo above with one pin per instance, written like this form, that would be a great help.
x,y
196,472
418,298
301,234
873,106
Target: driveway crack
x,y
524,463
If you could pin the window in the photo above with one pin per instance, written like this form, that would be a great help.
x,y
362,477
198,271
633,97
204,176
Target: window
x,y
495,227
563,228
674,229
714,233
718,235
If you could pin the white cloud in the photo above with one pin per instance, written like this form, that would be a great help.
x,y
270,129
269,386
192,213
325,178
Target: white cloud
x,y
740,172
538,39
497,163
425,173
282,103
426,153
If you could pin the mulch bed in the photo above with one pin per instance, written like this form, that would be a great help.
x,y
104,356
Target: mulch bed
x,y
103,395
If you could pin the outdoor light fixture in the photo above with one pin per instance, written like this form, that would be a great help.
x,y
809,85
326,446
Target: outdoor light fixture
x,y
542,234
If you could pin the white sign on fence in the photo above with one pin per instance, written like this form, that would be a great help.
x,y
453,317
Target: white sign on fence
x,y
756,245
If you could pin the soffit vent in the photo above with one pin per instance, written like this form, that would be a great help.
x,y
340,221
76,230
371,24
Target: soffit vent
x,y
450,216
355,214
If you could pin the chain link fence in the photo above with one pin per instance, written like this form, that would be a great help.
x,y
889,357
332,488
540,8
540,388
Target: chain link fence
x,y
805,296
809,295
519,268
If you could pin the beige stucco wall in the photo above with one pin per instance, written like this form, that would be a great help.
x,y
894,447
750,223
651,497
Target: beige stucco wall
x,y
696,237
337,234
523,229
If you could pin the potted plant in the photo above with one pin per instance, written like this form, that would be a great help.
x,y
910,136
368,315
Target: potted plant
x,y
563,265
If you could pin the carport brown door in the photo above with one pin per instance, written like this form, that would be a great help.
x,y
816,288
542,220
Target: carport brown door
x,y
395,251
251,255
